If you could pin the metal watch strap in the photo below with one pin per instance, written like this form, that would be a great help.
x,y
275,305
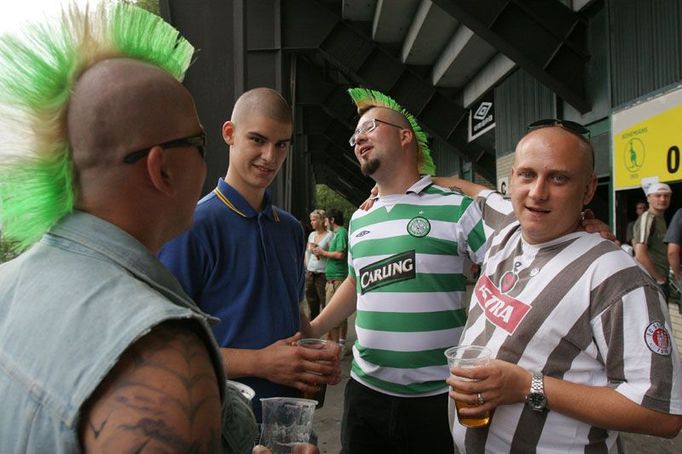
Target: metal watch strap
x,y
537,385
536,399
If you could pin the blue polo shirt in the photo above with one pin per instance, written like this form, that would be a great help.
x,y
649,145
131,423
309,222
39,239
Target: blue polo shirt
x,y
246,268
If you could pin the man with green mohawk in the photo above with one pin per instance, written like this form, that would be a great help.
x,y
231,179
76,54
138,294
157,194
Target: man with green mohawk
x,y
407,257
101,163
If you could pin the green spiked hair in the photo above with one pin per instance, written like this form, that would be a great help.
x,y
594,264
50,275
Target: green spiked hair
x,y
38,70
365,99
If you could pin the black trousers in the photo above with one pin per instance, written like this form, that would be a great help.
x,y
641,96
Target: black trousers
x,y
374,422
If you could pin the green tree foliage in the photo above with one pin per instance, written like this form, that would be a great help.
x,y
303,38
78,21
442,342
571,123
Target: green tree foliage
x,y
326,198
149,5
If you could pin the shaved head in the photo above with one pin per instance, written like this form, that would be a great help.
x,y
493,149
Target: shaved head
x,y
121,105
392,116
550,137
263,102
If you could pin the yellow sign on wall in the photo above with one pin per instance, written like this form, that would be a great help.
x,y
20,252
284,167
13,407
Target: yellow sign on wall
x,y
647,142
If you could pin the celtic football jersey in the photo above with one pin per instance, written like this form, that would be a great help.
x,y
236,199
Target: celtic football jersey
x,y
408,255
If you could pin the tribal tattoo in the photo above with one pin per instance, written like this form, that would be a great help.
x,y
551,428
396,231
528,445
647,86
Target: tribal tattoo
x,y
162,396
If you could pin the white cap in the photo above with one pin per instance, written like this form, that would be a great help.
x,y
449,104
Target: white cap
x,y
658,188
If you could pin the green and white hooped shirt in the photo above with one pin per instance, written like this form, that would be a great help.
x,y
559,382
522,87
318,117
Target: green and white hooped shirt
x,y
407,255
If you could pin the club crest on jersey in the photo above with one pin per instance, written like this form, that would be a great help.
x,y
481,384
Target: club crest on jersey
x,y
658,339
509,279
500,309
396,268
418,227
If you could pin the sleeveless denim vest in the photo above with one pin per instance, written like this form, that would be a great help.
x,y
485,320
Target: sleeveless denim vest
x,y
69,307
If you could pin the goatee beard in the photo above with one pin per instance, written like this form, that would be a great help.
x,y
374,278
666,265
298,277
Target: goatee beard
x,y
369,167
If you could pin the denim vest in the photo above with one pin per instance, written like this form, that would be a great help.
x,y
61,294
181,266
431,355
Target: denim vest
x,y
69,307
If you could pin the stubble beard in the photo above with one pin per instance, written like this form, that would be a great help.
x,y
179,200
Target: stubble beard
x,y
369,167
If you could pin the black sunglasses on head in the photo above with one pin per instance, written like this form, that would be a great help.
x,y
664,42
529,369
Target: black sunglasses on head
x,y
572,126
198,141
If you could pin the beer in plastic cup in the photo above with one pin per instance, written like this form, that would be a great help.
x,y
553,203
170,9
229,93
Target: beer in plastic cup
x,y
468,356
319,344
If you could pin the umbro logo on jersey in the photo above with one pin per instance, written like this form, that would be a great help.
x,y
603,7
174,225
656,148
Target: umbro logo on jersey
x,y
502,310
396,268
362,233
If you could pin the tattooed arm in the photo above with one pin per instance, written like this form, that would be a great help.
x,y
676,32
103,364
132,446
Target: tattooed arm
x,y
161,396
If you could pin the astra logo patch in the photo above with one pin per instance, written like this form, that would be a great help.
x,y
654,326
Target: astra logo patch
x,y
658,339
396,268
362,233
502,310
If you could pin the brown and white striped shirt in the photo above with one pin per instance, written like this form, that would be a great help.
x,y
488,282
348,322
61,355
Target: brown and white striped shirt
x,y
577,308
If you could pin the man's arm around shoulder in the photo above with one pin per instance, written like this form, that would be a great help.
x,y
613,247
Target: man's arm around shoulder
x,y
162,395
468,188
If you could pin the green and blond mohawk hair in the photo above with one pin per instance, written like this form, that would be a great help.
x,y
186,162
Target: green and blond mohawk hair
x,y
365,99
38,70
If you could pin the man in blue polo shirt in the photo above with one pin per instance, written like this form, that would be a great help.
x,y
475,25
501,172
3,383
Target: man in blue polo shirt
x,y
242,261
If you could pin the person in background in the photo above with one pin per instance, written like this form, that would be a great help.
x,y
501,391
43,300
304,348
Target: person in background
x,y
640,208
336,269
242,261
580,334
101,163
315,279
648,234
674,240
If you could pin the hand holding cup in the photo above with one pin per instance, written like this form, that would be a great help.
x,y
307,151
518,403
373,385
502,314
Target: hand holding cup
x,y
469,356
323,364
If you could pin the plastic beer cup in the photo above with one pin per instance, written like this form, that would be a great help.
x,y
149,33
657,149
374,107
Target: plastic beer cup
x,y
468,356
319,344
287,422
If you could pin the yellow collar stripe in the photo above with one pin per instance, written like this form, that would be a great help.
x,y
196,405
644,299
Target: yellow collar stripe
x,y
227,202
223,198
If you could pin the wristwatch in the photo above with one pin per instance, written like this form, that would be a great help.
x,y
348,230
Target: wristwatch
x,y
536,399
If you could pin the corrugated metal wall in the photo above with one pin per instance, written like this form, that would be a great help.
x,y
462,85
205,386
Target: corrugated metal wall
x,y
447,162
519,100
646,47
210,79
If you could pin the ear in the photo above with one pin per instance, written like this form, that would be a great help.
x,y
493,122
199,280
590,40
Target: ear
x,y
228,132
159,171
590,189
406,136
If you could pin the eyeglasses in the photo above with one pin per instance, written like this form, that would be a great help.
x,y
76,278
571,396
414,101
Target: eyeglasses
x,y
572,126
198,141
369,126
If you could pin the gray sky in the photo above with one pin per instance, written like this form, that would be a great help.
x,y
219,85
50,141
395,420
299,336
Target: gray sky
x,y
18,12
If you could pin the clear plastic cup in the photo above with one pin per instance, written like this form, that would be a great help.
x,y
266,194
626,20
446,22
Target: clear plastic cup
x,y
468,356
319,344
287,422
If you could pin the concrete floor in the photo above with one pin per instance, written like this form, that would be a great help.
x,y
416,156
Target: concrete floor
x,y
327,422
